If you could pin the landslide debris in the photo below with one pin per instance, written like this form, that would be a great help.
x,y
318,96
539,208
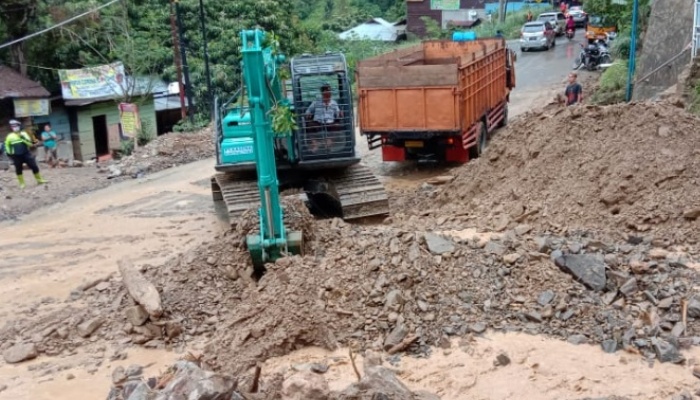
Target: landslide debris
x,y
165,151
558,261
624,168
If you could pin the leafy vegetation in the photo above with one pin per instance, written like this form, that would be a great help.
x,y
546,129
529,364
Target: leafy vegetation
x,y
613,84
138,33
614,79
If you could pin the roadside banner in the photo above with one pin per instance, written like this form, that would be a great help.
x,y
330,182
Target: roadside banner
x,y
93,82
445,5
130,120
31,107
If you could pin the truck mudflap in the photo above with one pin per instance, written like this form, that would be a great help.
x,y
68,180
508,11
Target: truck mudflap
x,y
352,193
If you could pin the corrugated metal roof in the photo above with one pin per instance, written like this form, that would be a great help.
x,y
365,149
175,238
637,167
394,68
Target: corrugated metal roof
x,y
14,85
374,29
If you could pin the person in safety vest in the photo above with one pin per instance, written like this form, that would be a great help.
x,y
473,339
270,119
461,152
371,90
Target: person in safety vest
x,y
18,145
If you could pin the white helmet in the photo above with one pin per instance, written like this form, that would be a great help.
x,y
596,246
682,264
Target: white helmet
x,y
14,122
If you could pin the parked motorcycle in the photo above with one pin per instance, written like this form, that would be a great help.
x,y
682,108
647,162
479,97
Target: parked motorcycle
x,y
592,56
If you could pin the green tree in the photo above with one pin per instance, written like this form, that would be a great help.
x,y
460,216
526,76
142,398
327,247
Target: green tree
x,y
19,19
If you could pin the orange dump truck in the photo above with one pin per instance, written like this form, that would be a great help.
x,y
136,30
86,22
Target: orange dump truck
x,y
436,101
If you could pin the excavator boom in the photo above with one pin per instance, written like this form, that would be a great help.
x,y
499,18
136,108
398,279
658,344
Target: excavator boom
x,y
259,71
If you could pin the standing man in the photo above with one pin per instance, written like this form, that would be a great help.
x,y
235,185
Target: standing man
x,y
48,137
574,91
18,146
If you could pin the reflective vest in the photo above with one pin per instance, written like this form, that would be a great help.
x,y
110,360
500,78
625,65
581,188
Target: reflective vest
x,y
18,143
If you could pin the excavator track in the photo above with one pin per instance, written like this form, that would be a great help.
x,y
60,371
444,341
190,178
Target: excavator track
x,y
361,194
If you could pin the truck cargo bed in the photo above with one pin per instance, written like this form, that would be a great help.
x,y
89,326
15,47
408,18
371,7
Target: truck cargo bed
x,y
433,89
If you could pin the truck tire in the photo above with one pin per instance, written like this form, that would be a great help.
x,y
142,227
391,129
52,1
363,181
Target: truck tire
x,y
478,150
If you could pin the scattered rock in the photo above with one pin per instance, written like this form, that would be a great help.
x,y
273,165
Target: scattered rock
x,y
380,383
193,383
609,345
588,269
140,289
20,352
692,214
438,245
545,297
666,352
511,258
501,360
118,375
87,328
136,315
440,180
305,385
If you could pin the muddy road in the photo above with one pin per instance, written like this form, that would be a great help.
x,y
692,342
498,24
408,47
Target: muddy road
x,y
52,251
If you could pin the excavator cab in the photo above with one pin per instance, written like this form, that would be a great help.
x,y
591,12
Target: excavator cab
x,y
325,126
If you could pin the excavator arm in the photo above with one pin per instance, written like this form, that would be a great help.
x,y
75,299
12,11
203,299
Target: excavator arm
x,y
263,89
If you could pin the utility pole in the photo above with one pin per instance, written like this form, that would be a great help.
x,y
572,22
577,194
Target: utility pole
x,y
178,61
210,100
185,68
633,51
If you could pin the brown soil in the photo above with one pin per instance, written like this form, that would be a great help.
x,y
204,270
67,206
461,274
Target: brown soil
x,y
624,168
611,182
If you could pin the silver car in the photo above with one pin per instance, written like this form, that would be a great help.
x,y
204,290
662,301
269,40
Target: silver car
x,y
579,16
537,35
557,19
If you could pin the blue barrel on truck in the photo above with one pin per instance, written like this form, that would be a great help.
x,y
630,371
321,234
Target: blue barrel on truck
x,y
464,36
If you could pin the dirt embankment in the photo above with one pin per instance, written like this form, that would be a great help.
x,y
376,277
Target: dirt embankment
x,y
64,183
629,169
592,218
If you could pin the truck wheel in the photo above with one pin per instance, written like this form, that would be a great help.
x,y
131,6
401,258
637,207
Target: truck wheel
x,y
478,150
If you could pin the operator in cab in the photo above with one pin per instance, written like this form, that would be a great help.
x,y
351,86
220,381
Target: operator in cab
x,y
323,115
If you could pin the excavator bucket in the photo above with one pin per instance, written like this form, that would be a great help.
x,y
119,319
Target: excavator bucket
x,y
260,255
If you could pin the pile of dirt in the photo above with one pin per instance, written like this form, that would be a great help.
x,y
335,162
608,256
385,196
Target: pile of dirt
x,y
166,151
625,168
392,289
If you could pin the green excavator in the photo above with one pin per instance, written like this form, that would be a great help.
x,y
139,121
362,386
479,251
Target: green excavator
x,y
276,134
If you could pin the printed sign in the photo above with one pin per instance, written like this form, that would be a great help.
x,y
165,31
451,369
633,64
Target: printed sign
x,y
238,151
31,107
93,82
446,5
129,118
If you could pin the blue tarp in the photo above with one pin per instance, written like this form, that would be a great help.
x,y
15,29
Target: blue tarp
x,y
517,6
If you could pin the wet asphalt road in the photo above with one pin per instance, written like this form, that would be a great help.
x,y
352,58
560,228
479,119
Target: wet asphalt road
x,y
540,69
540,74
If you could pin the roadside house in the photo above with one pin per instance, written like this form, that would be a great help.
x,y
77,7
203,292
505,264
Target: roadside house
x,y
376,29
19,96
94,95
441,11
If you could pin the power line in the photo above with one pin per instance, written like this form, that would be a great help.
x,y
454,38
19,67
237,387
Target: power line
x,y
69,20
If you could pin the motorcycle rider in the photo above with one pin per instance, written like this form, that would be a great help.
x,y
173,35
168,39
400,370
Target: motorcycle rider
x,y
570,24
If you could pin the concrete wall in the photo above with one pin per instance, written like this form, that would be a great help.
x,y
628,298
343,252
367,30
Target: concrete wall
x,y
669,32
